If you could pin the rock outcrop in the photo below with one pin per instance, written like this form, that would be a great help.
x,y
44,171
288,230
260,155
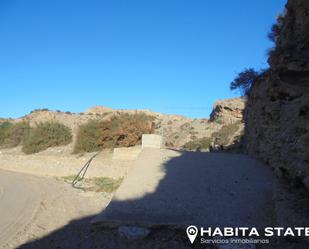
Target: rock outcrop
x,y
277,112
223,130
228,110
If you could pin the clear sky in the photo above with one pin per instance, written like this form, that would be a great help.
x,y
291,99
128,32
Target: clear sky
x,y
170,56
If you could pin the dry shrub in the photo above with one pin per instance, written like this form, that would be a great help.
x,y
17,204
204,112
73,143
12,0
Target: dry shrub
x,y
120,131
45,135
198,144
13,134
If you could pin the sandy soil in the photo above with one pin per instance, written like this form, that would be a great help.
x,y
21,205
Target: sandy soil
x,y
43,212
32,207
59,161
39,210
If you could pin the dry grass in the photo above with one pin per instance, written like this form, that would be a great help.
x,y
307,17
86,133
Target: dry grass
x,y
97,184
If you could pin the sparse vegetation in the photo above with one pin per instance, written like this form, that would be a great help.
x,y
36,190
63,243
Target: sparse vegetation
x,y
222,137
70,178
273,36
40,110
4,130
45,135
198,144
218,120
97,184
120,131
275,28
185,126
274,33
244,81
169,144
13,134
106,184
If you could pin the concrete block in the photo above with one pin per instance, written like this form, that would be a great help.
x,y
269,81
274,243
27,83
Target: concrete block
x,y
151,141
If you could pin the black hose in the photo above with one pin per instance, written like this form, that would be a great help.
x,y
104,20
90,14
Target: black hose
x,y
81,174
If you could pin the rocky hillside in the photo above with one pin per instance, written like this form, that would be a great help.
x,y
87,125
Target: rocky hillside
x,y
277,113
189,133
177,130
228,110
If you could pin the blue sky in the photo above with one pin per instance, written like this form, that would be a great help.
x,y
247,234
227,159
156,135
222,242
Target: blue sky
x,y
171,56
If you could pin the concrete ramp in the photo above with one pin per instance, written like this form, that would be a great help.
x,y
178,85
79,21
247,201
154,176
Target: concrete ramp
x,y
166,187
126,153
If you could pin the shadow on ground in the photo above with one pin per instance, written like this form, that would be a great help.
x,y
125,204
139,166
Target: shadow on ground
x,y
205,189
80,234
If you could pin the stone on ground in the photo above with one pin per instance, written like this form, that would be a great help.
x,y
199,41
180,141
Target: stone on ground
x,y
133,232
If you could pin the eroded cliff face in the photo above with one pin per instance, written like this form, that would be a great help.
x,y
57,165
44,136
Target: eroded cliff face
x,y
277,112
228,110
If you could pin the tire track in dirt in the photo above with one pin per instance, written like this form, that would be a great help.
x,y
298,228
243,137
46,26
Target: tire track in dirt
x,y
19,200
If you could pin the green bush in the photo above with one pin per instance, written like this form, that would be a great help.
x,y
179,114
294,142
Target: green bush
x,y
198,144
120,131
45,135
4,131
87,137
13,134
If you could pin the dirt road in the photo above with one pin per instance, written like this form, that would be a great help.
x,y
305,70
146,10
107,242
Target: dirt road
x,y
19,201
40,212
167,187
32,207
